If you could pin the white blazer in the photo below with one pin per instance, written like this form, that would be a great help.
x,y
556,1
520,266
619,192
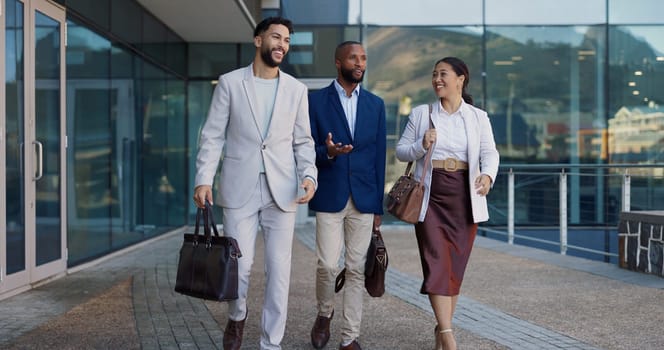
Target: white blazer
x,y
483,157
232,129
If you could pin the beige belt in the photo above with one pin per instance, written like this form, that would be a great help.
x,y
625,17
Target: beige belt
x,y
450,164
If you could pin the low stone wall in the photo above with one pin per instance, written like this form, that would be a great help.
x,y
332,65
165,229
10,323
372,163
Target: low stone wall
x,y
641,241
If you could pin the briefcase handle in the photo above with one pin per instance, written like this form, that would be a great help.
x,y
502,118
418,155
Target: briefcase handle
x,y
209,226
208,222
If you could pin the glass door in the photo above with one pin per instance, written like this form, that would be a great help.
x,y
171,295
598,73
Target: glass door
x,y
47,144
33,217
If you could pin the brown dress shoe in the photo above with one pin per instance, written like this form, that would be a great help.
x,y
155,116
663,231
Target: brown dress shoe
x,y
354,345
320,333
233,334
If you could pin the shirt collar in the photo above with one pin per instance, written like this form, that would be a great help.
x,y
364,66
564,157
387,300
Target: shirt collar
x,y
340,89
442,110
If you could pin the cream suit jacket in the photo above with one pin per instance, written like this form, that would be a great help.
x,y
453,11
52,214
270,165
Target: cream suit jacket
x,y
232,130
483,158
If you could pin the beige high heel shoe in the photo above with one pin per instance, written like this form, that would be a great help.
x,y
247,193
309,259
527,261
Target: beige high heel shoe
x,y
439,341
439,338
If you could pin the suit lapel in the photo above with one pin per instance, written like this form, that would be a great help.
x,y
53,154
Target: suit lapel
x,y
472,134
250,91
336,103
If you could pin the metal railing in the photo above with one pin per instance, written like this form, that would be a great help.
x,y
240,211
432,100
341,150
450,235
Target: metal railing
x,y
569,189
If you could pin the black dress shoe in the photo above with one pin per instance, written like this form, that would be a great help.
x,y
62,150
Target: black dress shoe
x,y
320,333
354,345
233,334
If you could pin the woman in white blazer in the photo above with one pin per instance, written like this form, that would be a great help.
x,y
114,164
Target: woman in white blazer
x,y
459,174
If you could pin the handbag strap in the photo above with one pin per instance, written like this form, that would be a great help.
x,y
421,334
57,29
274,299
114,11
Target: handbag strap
x,y
381,250
198,222
427,160
210,221
211,227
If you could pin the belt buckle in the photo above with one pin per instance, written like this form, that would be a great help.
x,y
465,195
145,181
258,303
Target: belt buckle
x,y
450,164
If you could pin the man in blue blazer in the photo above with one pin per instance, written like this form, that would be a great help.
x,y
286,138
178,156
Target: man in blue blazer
x,y
348,128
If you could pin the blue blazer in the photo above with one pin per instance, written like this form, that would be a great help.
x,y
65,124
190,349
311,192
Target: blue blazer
x,y
359,174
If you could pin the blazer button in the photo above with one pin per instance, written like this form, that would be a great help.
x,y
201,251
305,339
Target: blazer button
x,y
264,147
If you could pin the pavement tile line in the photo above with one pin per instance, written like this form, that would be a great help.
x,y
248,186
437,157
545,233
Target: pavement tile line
x,y
167,320
473,316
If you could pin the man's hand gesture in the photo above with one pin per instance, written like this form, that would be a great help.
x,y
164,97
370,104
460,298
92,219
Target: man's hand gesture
x,y
334,149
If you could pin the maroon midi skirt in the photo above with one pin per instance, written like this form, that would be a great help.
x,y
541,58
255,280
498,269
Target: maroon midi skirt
x,y
445,237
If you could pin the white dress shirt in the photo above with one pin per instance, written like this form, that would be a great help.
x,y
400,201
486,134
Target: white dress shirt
x,y
349,104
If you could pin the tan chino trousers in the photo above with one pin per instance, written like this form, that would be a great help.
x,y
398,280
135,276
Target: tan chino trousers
x,y
350,229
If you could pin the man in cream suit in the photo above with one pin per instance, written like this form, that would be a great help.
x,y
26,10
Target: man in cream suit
x,y
259,121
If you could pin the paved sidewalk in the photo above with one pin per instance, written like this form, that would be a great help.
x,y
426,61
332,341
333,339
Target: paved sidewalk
x,y
513,297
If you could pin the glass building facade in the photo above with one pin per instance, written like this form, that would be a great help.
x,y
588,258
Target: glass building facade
x,y
568,83
126,117
569,86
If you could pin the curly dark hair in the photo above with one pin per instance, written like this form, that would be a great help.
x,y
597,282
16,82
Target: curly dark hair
x,y
266,23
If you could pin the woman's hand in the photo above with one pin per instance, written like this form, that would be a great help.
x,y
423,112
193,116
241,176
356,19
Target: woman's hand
x,y
429,138
483,184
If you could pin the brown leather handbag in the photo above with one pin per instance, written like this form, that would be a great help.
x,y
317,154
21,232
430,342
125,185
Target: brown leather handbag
x,y
207,267
404,200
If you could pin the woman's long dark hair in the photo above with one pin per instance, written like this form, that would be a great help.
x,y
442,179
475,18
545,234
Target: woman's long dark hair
x,y
460,68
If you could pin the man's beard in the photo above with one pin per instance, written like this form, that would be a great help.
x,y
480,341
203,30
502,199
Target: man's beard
x,y
347,74
266,55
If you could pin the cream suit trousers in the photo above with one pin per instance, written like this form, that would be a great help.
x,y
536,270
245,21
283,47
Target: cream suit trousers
x,y
351,229
242,224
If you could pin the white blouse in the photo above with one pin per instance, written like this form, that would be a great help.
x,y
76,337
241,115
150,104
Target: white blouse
x,y
451,140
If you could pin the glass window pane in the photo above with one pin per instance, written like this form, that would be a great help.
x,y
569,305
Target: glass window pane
x,y
311,54
14,136
211,60
636,100
87,52
512,12
97,11
173,184
415,12
126,125
544,95
382,12
90,201
122,64
199,94
123,148
47,132
153,124
154,37
176,57
126,21
315,12
393,79
247,53
636,12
